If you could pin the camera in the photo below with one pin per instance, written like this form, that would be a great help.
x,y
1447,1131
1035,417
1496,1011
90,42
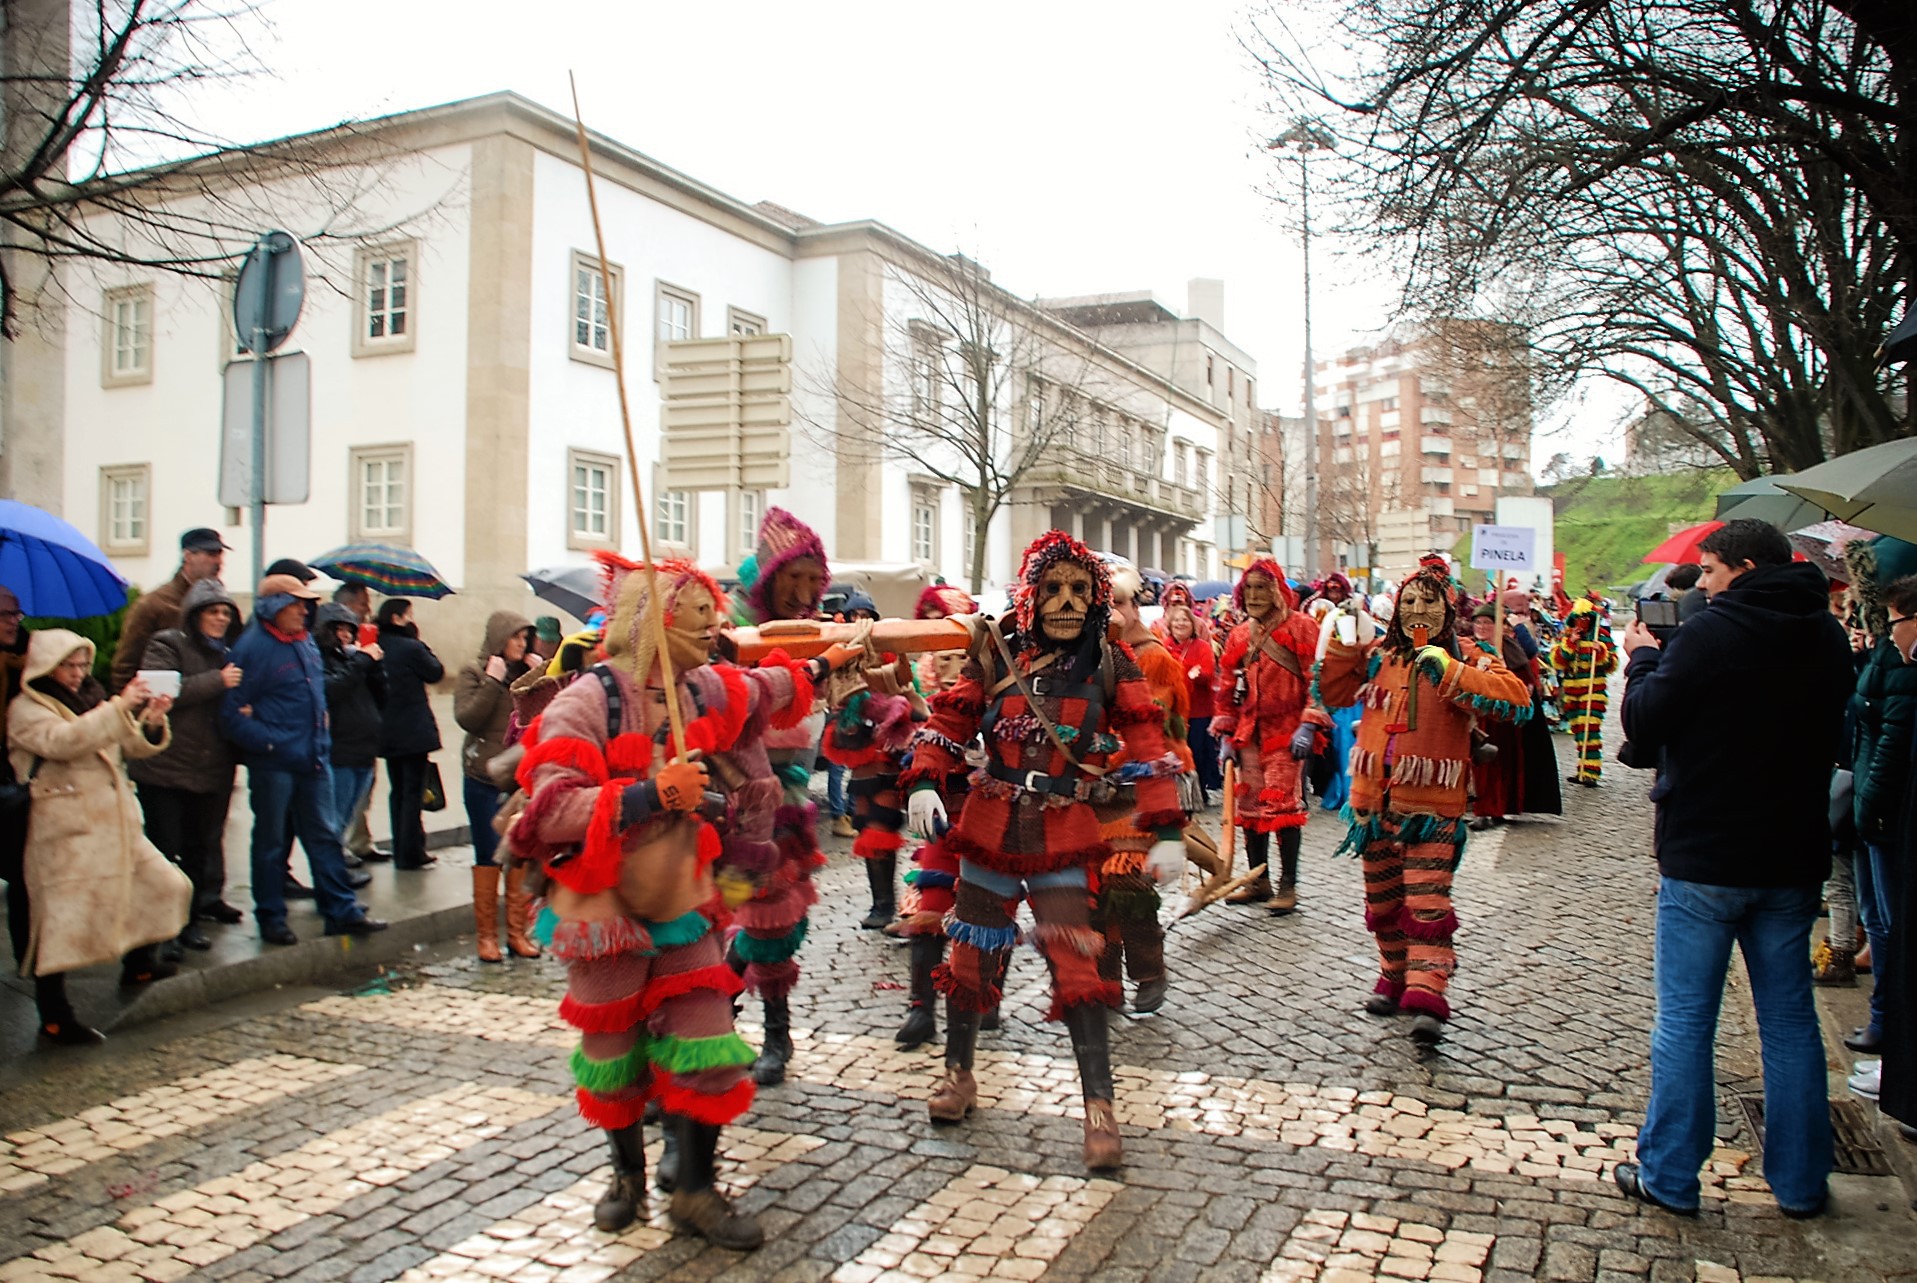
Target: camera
x,y
1659,616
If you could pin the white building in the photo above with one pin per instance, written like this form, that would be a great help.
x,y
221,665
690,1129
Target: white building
x,y
464,401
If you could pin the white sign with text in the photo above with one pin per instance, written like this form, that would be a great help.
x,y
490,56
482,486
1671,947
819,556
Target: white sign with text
x,y
1503,547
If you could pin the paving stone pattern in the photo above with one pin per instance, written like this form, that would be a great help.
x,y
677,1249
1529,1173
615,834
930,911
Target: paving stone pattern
x,y
424,1130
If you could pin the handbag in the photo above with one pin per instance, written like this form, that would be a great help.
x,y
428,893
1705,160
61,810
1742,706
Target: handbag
x,y
432,796
1843,825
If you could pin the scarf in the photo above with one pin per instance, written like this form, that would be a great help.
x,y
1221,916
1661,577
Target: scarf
x,y
81,702
293,638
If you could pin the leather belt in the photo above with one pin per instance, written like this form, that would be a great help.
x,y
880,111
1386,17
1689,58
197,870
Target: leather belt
x,y
1035,781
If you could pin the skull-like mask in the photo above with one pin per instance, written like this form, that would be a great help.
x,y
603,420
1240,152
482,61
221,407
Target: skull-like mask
x,y
1064,601
797,588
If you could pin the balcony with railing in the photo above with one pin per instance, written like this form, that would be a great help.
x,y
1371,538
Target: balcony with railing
x,y
1075,472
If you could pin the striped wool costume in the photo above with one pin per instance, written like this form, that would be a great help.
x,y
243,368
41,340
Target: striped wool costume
x,y
1585,657
1409,777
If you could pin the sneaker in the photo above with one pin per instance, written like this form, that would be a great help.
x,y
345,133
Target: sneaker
x,y
1867,1082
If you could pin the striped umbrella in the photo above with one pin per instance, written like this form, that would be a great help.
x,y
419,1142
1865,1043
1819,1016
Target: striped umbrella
x,y
394,572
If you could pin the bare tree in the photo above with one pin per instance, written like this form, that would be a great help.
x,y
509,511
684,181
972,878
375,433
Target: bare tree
x,y
983,391
103,163
1706,200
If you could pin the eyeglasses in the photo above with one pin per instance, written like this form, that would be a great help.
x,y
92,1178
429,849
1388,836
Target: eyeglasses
x,y
13,614
1901,619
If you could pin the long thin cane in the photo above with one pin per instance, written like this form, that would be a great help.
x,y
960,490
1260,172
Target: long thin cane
x,y
655,608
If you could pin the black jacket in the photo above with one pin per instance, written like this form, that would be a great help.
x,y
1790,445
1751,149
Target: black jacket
x,y
1746,703
1883,713
199,760
407,723
355,688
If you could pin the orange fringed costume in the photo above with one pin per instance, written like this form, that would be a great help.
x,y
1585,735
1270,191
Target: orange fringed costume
x,y
1409,775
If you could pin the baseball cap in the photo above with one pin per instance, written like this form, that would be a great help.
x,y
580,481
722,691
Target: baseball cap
x,y
290,566
202,539
285,585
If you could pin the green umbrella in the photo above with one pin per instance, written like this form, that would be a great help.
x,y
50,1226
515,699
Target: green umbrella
x,y
1764,500
1875,488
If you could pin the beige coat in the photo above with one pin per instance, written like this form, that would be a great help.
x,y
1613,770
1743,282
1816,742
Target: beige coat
x,y
98,887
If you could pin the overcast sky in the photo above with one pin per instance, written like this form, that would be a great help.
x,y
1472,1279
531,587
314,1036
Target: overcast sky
x,y
1073,148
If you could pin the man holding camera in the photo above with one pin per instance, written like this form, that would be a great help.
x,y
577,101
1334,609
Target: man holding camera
x,y
1746,705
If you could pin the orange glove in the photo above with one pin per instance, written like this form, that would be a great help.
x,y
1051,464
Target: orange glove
x,y
681,785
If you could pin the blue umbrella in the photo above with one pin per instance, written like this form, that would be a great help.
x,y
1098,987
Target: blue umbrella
x,y
55,571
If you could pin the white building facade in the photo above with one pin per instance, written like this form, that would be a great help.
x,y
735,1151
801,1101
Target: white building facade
x,y
464,402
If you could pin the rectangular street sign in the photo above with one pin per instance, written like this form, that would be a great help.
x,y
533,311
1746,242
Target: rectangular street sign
x,y
289,430
1503,547
726,414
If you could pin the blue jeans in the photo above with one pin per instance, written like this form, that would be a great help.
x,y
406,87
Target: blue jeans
x,y
1696,926
1872,868
835,790
351,784
482,803
307,800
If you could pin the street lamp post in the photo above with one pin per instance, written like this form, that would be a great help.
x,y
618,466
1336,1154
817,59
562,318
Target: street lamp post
x,y
1304,137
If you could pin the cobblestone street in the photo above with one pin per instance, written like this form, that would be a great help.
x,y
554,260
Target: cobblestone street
x,y
422,1126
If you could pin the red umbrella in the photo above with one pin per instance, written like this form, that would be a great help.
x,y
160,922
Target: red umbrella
x,y
1681,548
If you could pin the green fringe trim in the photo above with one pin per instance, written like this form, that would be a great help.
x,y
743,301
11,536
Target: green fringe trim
x,y
603,1076
1412,830
757,949
545,925
853,713
691,1055
793,774
1317,696
1498,709
911,877
683,929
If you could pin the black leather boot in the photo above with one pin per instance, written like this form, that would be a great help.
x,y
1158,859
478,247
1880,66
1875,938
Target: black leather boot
x,y
921,1022
619,1207
881,872
957,1092
697,1204
1091,1046
769,1068
989,1020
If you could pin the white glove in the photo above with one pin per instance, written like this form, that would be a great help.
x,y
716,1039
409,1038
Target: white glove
x,y
1166,860
925,815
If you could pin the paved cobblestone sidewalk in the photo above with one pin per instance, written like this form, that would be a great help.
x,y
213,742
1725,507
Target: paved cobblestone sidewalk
x,y
423,1130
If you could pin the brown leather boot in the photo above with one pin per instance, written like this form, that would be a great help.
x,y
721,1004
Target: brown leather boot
x,y
519,914
486,911
1103,1149
1285,898
954,1098
1257,891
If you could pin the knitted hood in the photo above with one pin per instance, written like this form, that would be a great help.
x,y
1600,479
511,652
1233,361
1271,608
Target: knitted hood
x,y
783,539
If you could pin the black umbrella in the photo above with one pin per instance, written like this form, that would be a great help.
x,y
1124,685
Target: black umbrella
x,y
1901,343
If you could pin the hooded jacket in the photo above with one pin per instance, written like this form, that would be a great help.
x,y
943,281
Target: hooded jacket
x,y
355,689
1883,708
482,705
98,888
284,687
1746,705
200,759
408,727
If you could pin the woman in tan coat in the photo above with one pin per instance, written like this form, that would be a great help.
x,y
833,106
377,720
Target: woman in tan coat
x,y
99,889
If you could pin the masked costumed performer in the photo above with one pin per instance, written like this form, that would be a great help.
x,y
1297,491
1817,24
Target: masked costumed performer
x,y
784,578
1585,657
1409,776
626,838
1055,700
931,886
867,735
1267,724
1125,909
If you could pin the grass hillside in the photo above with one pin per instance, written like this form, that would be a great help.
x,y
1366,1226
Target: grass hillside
x,y
1605,525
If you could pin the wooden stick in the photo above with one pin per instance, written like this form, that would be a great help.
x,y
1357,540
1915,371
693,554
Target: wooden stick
x,y
655,607
1228,834
804,638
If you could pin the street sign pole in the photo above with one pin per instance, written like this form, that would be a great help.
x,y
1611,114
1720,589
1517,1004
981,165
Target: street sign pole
x,y
257,342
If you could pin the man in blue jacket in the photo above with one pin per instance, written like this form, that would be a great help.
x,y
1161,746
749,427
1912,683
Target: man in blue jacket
x,y
1745,703
276,717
